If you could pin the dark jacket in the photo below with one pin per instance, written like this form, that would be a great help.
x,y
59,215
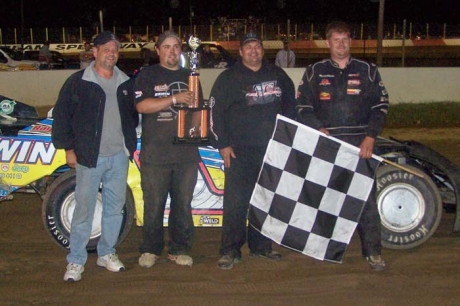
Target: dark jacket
x,y
245,103
78,115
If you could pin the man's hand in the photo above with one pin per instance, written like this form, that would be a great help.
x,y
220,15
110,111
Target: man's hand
x,y
187,97
71,158
366,147
227,154
324,131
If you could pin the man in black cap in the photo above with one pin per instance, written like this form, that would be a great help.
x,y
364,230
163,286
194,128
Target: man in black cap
x,y
95,123
245,101
167,168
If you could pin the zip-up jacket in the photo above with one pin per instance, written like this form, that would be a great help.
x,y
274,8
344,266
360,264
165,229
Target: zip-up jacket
x,y
349,101
244,105
79,114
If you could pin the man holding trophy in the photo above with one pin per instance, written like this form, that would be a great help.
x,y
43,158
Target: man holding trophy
x,y
164,98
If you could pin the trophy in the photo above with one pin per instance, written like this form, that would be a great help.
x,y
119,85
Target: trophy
x,y
192,120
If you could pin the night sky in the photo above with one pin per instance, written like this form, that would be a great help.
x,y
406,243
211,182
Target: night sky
x,y
50,13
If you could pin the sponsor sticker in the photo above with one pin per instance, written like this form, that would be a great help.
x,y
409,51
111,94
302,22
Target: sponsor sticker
x,y
7,106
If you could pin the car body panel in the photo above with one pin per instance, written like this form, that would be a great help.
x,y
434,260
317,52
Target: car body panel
x,y
13,60
29,156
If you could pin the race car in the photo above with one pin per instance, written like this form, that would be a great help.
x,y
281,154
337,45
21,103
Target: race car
x,y
411,194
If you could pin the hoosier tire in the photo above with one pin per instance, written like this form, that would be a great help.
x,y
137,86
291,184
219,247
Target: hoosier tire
x,y
410,207
59,204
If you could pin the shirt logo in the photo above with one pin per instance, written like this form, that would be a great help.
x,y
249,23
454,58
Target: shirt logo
x,y
324,96
163,87
325,82
354,82
138,93
351,91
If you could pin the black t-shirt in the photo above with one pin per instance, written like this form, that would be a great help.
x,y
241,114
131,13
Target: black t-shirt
x,y
159,129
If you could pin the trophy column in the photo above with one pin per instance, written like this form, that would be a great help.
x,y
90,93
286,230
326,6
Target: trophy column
x,y
192,120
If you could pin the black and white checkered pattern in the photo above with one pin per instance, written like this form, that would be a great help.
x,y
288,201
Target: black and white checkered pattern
x,y
311,191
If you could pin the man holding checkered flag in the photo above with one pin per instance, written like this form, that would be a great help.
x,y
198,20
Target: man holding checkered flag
x,y
345,97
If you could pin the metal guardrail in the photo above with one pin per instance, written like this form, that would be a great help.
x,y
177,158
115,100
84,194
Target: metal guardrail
x,y
227,30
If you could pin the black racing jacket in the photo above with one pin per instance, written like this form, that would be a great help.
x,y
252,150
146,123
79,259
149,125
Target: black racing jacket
x,y
79,113
349,101
244,105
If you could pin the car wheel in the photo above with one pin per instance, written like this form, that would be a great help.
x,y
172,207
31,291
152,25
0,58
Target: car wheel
x,y
58,207
410,207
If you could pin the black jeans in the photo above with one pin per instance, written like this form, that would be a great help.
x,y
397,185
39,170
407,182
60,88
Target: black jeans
x,y
240,180
157,181
369,226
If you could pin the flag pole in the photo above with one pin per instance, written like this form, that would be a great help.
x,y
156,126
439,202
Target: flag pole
x,y
403,168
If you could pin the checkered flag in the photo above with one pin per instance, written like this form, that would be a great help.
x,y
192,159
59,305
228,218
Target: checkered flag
x,y
311,191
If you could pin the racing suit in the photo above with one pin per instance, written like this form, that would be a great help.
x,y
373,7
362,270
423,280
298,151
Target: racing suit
x,y
351,103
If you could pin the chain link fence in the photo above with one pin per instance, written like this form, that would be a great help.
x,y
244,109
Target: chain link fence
x,y
226,30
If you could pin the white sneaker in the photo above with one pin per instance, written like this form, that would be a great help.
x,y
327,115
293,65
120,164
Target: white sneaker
x,y
182,260
147,260
73,273
110,262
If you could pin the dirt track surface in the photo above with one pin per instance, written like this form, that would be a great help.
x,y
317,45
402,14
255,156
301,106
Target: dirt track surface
x,y
32,267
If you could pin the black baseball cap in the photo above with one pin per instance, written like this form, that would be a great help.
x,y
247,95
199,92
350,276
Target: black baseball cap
x,y
104,38
251,36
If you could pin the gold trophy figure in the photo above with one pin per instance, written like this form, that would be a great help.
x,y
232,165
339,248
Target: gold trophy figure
x,y
194,117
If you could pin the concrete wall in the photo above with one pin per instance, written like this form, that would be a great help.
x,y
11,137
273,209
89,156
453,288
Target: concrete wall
x,y
411,85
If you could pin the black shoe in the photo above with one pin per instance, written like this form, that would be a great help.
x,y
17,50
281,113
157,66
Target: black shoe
x,y
272,255
376,262
226,261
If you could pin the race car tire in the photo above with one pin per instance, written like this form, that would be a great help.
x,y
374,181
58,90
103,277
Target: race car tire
x,y
410,207
444,173
58,206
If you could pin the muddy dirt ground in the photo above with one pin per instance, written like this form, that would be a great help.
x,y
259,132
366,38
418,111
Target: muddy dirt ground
x,y
32,266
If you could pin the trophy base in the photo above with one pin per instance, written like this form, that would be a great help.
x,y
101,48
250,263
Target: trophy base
x,y
192,141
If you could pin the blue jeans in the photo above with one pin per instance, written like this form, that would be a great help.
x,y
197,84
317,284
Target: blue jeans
x,y
157,181
112,171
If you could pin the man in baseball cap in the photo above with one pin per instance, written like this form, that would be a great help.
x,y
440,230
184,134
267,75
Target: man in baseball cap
x,y
167,168
105,37
246,99
109,138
